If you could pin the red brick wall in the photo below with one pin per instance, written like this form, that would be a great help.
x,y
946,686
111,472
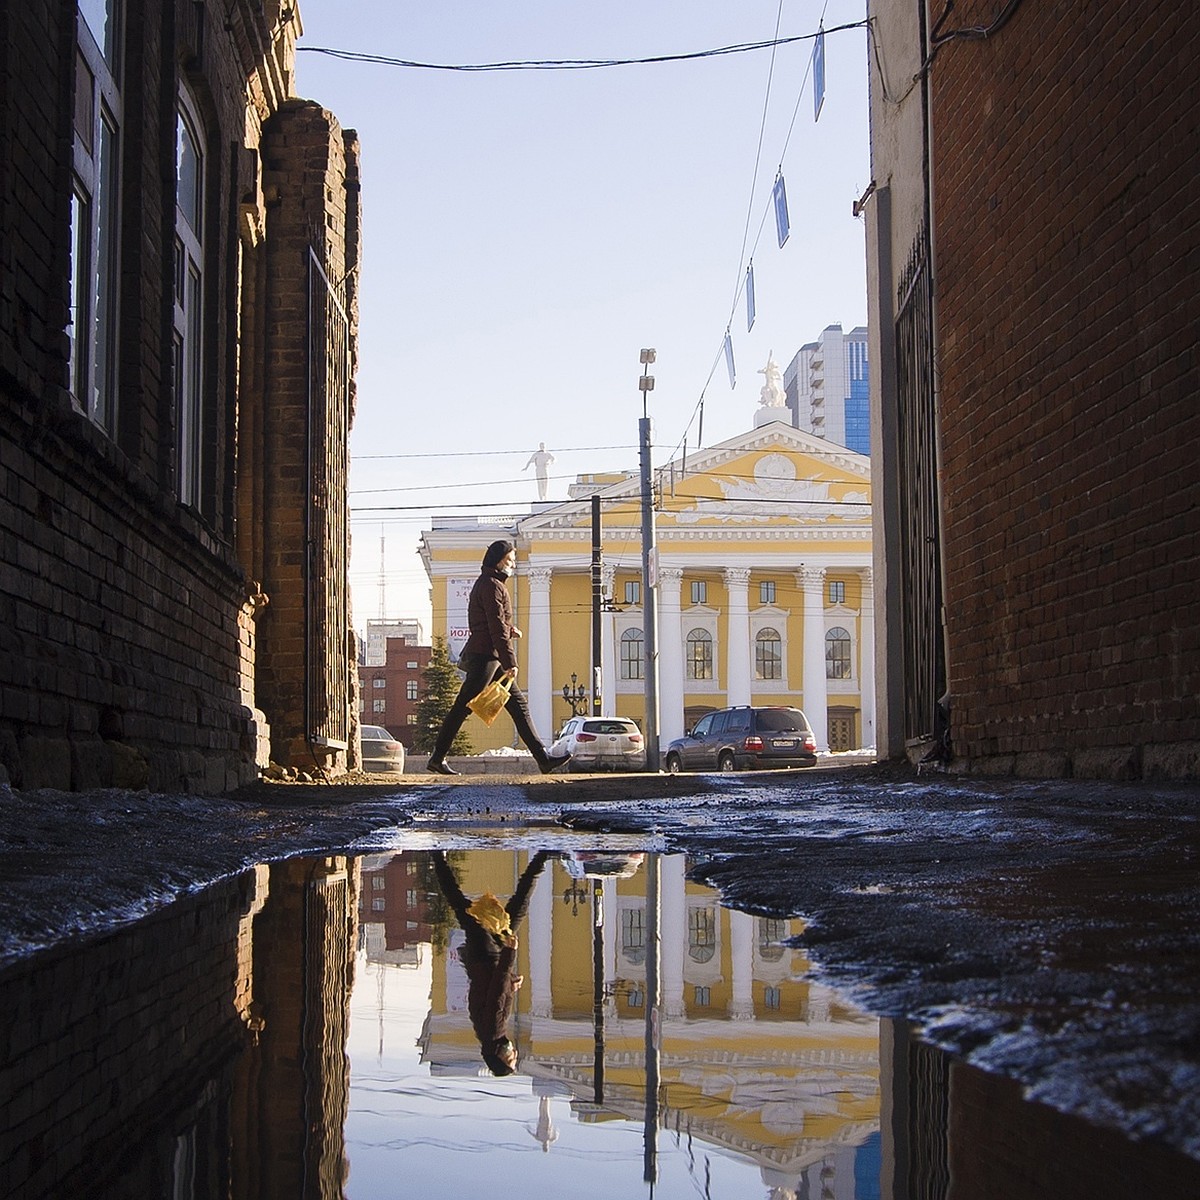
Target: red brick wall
x,y
121,661
1067,249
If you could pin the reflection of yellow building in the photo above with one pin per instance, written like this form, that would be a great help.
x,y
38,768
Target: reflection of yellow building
x,y
751,1055
764,587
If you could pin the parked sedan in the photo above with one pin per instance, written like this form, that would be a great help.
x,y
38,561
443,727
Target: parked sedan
x,y
742,738
381,753
601,744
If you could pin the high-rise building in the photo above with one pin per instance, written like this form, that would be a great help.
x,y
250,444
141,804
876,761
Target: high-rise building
x,y
826,384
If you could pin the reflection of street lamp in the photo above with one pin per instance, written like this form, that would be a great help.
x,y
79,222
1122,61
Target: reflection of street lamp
x,y
574,895
576,695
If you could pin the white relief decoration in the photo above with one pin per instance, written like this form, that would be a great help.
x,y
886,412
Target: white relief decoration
x,y
776,483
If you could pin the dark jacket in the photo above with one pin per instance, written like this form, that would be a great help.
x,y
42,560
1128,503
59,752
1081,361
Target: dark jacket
x,y
490,620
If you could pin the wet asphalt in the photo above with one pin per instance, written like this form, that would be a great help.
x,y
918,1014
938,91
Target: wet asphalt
x,y
1048,931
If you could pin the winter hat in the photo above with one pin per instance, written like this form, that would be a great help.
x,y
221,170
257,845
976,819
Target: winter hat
x,y
495,552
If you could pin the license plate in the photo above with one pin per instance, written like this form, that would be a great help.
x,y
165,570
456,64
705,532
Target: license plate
x,y
784,743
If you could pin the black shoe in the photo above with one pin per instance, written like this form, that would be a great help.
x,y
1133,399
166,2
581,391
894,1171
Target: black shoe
x,y
553,761
440,767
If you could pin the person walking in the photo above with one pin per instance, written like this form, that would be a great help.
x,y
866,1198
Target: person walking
x,y
488,653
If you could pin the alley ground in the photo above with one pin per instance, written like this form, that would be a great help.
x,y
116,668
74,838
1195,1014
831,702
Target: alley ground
x,y
1047,931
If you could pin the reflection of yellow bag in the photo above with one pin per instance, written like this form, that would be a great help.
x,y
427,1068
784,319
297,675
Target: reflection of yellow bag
x,y
492,915
487,705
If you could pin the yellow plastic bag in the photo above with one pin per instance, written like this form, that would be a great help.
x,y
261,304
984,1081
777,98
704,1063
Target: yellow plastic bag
x,y
492,915
487,705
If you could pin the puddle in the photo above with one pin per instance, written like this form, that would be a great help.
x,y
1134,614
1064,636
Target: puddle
x,y
317,1028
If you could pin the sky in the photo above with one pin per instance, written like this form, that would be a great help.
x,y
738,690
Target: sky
x,y
526,233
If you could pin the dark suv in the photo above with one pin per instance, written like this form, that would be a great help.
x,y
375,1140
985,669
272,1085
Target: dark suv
x,y
734,739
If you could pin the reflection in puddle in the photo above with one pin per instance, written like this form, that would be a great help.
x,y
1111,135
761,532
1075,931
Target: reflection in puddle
x,y
315,1029
658,1036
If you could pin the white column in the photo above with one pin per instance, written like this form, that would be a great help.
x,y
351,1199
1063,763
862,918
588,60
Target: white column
x,y
816,699
541,941
539,687
670,656
673,920
866,658
737,686
608,651
741,952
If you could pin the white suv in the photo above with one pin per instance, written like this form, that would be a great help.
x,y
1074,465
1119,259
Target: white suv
x,y
601,744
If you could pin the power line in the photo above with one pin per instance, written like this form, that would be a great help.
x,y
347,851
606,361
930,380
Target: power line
x,y
481,453
569,64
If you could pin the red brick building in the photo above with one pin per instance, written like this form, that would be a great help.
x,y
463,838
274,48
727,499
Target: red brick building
x,y
389,694
1034,267
177,339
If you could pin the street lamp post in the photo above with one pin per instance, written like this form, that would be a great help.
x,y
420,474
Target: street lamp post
x,y
576,695
649,573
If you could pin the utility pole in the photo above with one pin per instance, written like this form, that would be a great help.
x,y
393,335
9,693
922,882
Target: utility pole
x,y
649,573
597,597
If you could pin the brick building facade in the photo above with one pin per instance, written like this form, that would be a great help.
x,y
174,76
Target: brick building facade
x,y
177,334
390,693
1035,289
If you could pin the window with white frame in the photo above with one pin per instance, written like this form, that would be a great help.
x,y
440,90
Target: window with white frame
x,y
633,591
699,591
632,654
379,706
837,591
766,591
379,682
95,196
837,653
768,654
411,687
699,654
189,301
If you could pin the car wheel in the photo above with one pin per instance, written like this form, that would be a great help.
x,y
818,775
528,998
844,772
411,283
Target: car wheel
x,y
674,764
725,762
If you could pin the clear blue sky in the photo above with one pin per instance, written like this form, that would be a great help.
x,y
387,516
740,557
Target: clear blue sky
x,y
526,233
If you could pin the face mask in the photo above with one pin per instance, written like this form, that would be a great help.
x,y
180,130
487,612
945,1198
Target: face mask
x,y
503,572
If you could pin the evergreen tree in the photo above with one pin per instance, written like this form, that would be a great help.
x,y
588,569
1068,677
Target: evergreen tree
x,y
441,683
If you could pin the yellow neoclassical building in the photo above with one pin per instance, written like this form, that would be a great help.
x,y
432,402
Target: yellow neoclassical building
x,y
764,589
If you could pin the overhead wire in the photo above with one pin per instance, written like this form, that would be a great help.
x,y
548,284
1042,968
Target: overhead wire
x,y
744,259
567,64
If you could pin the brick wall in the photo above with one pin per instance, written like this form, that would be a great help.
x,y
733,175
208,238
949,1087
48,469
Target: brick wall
x,y
1067,247
128,621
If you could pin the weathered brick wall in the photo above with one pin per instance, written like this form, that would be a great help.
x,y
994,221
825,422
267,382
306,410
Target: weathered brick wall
x,y
1067,245
311,186
127,621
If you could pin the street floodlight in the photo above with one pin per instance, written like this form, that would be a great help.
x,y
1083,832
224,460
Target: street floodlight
x,y
647,356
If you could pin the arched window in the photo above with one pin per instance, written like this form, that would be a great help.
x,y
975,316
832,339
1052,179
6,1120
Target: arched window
x,y
768,654
632,655
837,653
771,932
702,934
699,654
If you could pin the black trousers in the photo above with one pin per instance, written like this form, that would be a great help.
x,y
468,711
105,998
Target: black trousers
x,y
481,670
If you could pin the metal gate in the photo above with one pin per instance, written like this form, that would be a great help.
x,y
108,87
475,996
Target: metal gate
x,y
326,601
920,574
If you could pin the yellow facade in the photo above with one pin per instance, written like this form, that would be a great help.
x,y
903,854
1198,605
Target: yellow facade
x,y
763,556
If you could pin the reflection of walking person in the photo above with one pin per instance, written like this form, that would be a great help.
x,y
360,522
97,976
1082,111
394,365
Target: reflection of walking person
x,y
488,652
489,955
